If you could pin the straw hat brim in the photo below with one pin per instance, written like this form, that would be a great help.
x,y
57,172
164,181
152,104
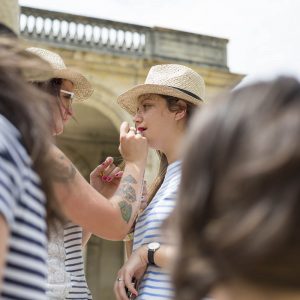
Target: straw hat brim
x,y
129,99
82,88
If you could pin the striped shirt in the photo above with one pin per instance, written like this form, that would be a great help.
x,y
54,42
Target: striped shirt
x,y
22,205
156,283
66,265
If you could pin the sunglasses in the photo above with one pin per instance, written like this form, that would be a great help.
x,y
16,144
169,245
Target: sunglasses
x,y
66,99
67,94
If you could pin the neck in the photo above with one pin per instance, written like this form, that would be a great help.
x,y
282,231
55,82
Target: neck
x,y
173,147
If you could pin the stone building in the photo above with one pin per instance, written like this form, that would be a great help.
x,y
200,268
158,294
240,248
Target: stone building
x,y
116,56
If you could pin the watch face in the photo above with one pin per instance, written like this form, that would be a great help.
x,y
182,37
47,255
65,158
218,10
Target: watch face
x,y
153,246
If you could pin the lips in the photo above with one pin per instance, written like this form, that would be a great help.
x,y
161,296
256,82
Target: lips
x,y
141,129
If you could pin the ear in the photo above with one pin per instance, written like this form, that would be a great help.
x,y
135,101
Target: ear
x,y
181,113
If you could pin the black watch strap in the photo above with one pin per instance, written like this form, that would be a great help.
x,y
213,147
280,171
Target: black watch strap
x,y
151,257
152,248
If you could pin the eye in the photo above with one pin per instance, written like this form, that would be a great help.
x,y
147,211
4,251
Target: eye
x,y
67,96
146,105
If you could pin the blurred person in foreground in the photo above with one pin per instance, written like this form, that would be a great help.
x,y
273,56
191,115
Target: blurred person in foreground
x,y
237,216
27,202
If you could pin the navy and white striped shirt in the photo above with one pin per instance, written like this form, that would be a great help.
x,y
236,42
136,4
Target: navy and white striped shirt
x,y
66,278
22,205
74,263
156,283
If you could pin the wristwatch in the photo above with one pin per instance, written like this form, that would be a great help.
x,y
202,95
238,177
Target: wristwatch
x,y
152,248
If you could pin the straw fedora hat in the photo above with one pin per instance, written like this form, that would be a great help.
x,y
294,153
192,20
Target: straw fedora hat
x,y
171,80
82,87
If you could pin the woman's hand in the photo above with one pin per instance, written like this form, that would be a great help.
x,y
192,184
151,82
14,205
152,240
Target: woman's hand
x,y
133,146
134,268
106,177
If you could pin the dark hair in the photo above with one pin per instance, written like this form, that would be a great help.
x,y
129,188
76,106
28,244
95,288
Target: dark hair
x,y
51,87
239,202
173,105
27,109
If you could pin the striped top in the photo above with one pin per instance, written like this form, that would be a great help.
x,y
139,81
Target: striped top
x,y
156,284
66,278
22,205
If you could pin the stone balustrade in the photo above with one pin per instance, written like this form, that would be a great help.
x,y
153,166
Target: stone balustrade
x,y
105,36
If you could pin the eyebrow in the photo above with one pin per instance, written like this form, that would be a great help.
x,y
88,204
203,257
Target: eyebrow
x,y
146,99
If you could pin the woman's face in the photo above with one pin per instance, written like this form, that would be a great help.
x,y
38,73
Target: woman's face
x,y
63,106
155,120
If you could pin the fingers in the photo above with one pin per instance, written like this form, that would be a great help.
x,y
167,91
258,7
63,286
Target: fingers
x,y
119,289
124,287
107,171
102,169
133,147
129,283
124,128
116,173
98,171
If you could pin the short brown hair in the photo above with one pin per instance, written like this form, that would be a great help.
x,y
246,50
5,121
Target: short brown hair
x,y
238,213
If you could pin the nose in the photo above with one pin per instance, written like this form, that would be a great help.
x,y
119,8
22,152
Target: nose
x,y
70,111
137,118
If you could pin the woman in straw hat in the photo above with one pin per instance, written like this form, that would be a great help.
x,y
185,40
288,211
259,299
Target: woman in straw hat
x,y
81,204
161,109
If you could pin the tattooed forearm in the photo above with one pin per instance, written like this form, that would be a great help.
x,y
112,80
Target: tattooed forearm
x,y
129,179
126,191
63,169
128,195
126,210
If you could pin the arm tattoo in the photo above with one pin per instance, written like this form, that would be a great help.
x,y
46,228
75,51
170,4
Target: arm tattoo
x,y
126,210
128,194
126,190
129,179
63,169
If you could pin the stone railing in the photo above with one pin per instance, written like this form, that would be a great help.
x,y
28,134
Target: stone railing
x,y
83,32
105,36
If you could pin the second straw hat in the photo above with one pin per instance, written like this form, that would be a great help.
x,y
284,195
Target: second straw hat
x,y
172,80
82,87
